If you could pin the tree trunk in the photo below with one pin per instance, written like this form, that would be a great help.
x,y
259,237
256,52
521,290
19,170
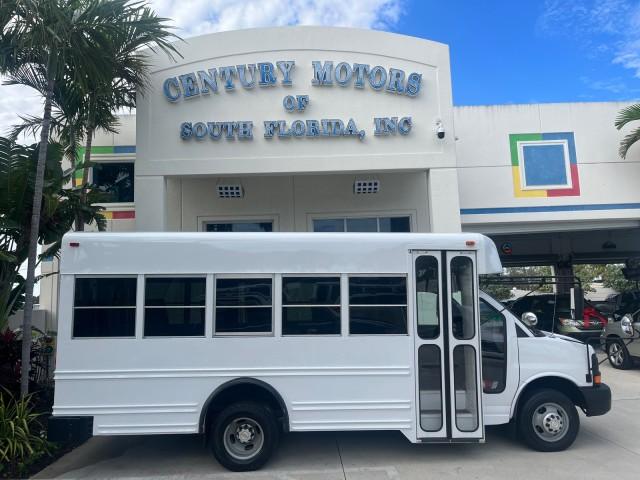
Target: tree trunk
x,y
74,163
85,178
33,242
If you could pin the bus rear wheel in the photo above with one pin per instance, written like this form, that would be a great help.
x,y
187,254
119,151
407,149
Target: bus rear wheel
x,y
244,436
548,421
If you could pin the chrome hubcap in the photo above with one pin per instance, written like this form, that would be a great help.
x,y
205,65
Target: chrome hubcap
x,y
243,438
550,422
616,355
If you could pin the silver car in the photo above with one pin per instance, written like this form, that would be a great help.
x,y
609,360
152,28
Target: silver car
x,y
621,340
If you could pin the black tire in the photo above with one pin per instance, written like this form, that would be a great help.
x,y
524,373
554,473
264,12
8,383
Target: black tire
x,y
618,354
251,420
553,412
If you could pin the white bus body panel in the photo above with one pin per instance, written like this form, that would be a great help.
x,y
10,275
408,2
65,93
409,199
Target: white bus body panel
x,y
126,253
160,385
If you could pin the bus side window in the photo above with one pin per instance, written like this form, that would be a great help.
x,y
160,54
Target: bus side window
x,y
493,326
174,306
310,305
104,307
244,306
377,305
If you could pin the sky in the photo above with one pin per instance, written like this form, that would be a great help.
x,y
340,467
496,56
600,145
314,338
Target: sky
x,y
502,51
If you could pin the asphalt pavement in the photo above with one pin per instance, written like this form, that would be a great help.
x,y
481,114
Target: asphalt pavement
x,y
606,447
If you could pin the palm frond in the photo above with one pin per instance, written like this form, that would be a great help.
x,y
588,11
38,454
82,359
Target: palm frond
x,y
628,141
627,114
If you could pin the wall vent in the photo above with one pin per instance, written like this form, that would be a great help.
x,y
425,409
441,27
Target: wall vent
x,y
366,186
230,191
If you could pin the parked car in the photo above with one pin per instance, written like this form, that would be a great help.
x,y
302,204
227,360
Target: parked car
x,y
623,303
554,315
605,307
621,340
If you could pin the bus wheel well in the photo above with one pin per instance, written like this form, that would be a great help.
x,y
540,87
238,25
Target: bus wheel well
x,y
242,390
559,384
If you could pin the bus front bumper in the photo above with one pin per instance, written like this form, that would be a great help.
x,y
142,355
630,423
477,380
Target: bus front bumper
x,y
69,429
597,400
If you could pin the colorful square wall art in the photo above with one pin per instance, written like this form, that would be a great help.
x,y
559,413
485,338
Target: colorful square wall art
x,y
544,164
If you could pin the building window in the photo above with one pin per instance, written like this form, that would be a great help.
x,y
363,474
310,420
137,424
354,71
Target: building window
x,y
174,307
115,180
311,305
377,305
244,306
363,224
238,226
104,307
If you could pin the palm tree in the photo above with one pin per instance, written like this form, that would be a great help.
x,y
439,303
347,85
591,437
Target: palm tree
x,y
17,181
116,89
48,43
625,116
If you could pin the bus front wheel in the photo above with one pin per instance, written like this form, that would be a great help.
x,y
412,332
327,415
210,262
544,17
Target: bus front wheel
x,y
548,421
244,435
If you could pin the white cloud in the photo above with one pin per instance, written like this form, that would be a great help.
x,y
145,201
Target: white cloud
x,y
197,17
17,100
616,23
205,16
614,85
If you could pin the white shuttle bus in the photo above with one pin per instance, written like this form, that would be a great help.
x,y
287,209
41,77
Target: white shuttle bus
x,y
244,337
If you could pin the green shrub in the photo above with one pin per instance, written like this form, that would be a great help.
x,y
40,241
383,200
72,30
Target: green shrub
x,y
22,438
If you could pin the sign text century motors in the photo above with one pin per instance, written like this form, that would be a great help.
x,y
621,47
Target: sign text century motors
x,y
267,74
204,82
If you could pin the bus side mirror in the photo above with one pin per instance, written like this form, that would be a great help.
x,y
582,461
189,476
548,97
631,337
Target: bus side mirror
x,y
529,318
577,303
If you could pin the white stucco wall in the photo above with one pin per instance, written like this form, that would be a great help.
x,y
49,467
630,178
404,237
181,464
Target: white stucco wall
x,y
163,157
126,133
609,185
161,151
292,202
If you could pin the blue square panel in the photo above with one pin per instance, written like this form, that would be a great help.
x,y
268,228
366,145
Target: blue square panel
x,y
544,165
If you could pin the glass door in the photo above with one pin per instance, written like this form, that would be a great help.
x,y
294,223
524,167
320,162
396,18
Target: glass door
x,y
447,346
430,348
464,347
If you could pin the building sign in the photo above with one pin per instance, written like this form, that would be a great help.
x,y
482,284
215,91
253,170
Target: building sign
x,y
267,75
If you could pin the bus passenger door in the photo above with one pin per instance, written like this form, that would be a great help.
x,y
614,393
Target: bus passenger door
x,y
447,347
464,348
430,349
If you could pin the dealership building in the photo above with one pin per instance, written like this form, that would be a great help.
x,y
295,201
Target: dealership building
x,y
331,129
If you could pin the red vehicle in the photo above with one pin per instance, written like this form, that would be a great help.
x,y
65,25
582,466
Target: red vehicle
x,y
555,315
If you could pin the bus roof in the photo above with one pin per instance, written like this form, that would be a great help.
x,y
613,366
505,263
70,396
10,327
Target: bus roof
x,y
200,252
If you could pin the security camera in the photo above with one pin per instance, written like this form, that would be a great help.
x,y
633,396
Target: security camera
x,y
439,129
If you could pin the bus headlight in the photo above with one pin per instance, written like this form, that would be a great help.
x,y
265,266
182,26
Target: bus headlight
x,y
627,325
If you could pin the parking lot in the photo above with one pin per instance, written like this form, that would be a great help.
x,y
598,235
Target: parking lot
x,y
606,447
